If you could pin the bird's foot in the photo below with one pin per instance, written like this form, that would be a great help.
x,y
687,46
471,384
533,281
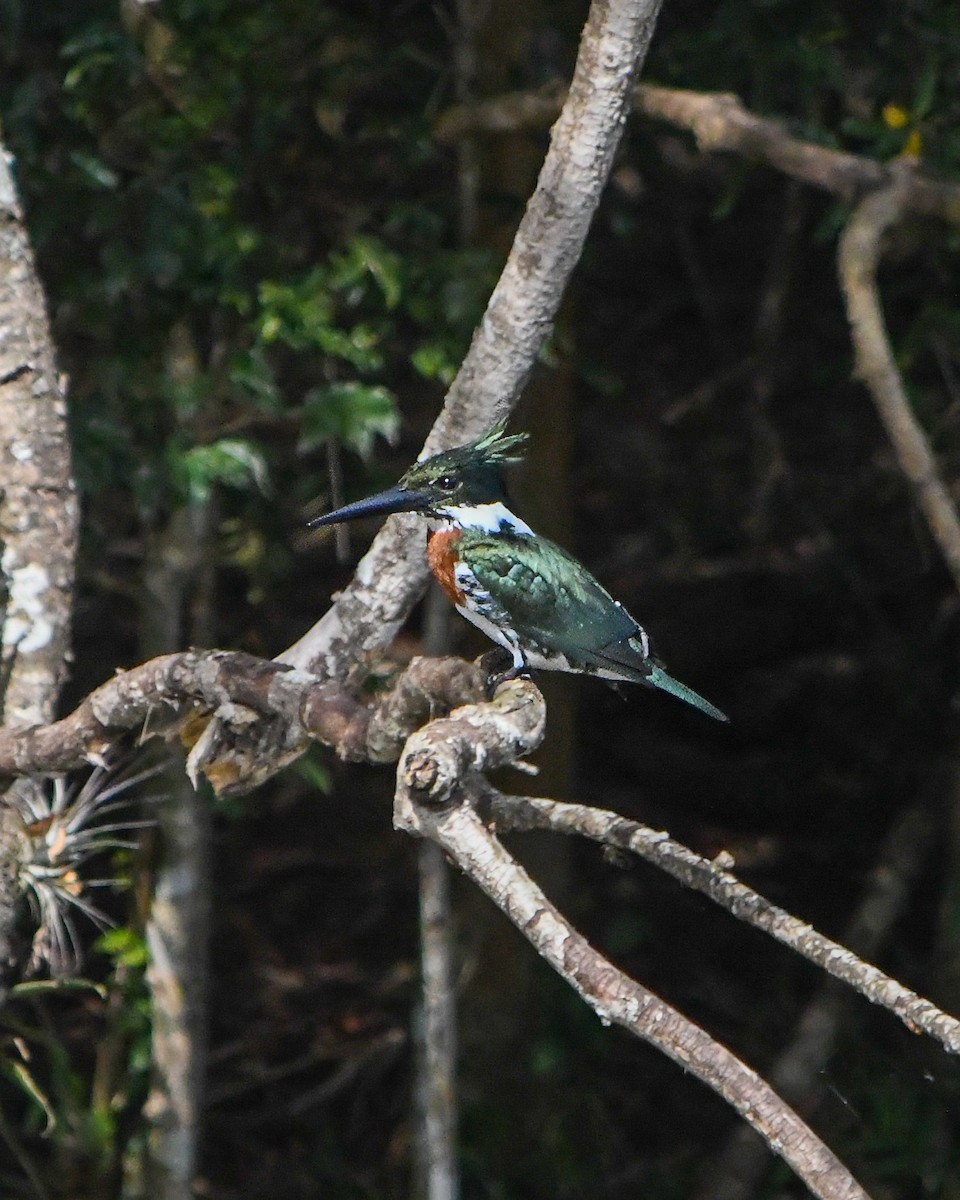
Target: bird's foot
x,y
498,667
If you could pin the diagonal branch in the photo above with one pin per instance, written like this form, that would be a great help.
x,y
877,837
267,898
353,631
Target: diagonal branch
x,y
799,1071
521,813
612,995
514,328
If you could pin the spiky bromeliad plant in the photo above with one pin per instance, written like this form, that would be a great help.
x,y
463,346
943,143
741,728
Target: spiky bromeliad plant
x,y
65,829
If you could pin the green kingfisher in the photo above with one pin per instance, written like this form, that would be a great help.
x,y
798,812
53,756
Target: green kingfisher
x,y
524,592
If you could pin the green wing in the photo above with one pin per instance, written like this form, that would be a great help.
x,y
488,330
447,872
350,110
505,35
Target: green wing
x,y
549,598
555,603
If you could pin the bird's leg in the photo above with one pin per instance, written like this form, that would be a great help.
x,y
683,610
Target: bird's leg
x,y
493,664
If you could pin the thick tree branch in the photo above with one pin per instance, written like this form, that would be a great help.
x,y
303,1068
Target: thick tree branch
x,y
474,738
612,995
858,259
515,326
919,1015
289,707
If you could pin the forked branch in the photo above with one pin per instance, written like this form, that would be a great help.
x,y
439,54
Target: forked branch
x,y
720,123
615,997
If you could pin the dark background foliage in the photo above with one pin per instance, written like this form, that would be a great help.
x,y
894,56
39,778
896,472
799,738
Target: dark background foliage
x,y
248,236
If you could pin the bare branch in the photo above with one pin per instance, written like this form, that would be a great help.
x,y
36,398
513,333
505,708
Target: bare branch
x,y
919,1015
858,258
798,1072
288,708
719,122
515,326
612,995
473,738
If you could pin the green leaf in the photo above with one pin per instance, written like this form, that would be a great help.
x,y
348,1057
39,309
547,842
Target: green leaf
x,y
232,461
251,371
354,413
926,91
314,773
40,987
382,264
125,946
93,170
433,361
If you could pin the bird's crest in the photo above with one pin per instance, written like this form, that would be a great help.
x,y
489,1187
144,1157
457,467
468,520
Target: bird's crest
x,y
497,446
469,474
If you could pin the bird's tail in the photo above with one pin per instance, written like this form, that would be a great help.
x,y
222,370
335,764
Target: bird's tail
x,y
659,678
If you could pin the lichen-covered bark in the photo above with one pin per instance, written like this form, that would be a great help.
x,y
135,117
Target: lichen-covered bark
x,y
38,506
38,525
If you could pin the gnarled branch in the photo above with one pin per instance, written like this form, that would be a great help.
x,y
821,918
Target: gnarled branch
x,y
288,709
615,997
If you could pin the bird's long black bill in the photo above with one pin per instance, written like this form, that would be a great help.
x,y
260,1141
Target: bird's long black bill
x,y
395,499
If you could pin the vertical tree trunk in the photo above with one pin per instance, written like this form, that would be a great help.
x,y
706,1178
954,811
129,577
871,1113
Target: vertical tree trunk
x,y
38,524
177,610
38,505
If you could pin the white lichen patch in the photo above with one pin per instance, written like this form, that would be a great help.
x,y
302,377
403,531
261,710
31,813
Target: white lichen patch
x,y
28,625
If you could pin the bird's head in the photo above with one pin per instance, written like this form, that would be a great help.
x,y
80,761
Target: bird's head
x,y
454,480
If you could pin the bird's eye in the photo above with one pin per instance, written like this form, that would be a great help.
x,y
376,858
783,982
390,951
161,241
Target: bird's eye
x,y
447,483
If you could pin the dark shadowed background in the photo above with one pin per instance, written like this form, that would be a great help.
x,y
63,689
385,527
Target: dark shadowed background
x,y
257,266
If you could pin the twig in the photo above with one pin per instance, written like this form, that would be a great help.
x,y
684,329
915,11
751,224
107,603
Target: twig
x,y
858,258
611,994
919,1015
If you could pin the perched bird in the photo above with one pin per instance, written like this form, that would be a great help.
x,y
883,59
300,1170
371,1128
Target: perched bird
x,y
526,593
